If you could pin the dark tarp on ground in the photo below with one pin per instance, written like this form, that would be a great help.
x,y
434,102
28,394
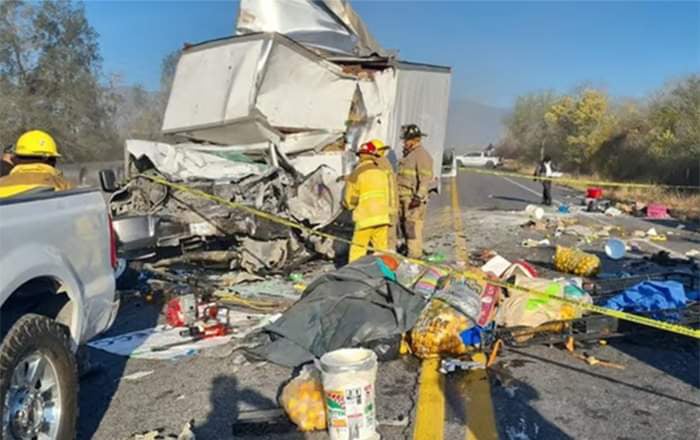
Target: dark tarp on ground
x,y
350,307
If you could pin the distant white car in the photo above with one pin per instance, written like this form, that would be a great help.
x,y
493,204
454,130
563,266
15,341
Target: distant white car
x,y
478,159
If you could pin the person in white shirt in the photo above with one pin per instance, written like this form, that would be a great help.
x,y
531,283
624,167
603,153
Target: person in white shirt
x,y
544,169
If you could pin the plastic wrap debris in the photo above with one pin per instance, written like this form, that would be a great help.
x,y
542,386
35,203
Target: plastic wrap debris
x,y
352,306
462,297
303,400
576,262
650,296
158,343
185,162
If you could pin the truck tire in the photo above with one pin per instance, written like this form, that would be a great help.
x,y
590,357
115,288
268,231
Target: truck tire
x,y
490,165
36,355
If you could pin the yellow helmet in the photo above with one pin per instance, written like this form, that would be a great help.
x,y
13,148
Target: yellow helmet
x,y
36,143
379,145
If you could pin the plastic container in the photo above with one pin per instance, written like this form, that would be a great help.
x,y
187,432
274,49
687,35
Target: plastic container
x,y
657,211
594,193
615,249
348,377
535,212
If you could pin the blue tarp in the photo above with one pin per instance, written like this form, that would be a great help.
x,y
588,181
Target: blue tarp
x,y
649,296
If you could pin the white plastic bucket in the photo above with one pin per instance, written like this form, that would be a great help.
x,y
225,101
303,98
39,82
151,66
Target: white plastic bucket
x,y
615,249
535,212
348,377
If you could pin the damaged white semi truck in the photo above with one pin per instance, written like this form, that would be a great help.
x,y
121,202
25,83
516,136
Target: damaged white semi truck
x,y
297,89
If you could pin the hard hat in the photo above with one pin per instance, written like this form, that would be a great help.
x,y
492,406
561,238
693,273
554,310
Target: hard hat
x,y
36,143
369,148
411,131
379,144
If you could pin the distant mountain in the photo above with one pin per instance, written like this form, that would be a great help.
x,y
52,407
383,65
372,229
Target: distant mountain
x,y
472,126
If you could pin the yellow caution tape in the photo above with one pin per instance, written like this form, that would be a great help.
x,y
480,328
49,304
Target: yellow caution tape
x,y
642,320
579,181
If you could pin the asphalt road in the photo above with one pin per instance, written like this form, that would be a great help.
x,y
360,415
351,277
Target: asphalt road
x,y
538,392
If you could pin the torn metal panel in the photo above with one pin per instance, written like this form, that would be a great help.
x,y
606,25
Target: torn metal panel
x,y
280,87
302,92
308,141
182,163
213,85
265,256
318,198
330,25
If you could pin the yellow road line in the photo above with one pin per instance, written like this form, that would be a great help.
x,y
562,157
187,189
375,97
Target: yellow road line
x,y
481,421
475,385
430,411
460,242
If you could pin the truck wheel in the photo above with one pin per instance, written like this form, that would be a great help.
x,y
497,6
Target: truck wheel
x,y
38,381
490,165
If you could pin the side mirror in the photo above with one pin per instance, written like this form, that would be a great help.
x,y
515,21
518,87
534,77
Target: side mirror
x,y
108,181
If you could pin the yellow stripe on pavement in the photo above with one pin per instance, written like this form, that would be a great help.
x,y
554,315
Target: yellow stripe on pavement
x,y
474,384
481,421
430,410
460,241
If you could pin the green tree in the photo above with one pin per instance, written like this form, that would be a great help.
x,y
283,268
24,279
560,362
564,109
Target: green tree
x,y
526,130
587,123
49,78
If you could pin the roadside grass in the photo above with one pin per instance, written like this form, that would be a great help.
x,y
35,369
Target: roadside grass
x,y
683,204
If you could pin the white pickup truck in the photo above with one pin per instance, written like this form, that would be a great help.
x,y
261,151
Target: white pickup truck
x,y
57,290
478,159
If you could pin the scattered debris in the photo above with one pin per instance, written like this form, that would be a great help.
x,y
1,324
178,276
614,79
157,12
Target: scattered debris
x,y
138,375
657,211
157,343
576,262
615,249
613,212
535,212
650,296
530,243
354,303
693,253
450,365
303,400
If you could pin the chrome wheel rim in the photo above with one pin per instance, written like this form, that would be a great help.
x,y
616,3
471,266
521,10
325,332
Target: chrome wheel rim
x,y
32,407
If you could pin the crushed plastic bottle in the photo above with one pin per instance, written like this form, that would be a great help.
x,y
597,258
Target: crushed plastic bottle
x,y
437,258
296,277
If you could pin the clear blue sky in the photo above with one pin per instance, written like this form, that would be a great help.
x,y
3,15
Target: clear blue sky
x,y
498,50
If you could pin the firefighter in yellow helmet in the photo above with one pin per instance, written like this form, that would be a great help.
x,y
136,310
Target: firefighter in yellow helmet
x,y
415,177
386,165
367,195
34,166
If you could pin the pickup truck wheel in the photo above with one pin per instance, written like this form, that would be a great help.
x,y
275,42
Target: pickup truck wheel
x,y
490,165
38,381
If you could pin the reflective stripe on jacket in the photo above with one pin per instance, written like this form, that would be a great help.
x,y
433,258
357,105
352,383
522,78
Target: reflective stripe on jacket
x,y
415,174
367,193
28,177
